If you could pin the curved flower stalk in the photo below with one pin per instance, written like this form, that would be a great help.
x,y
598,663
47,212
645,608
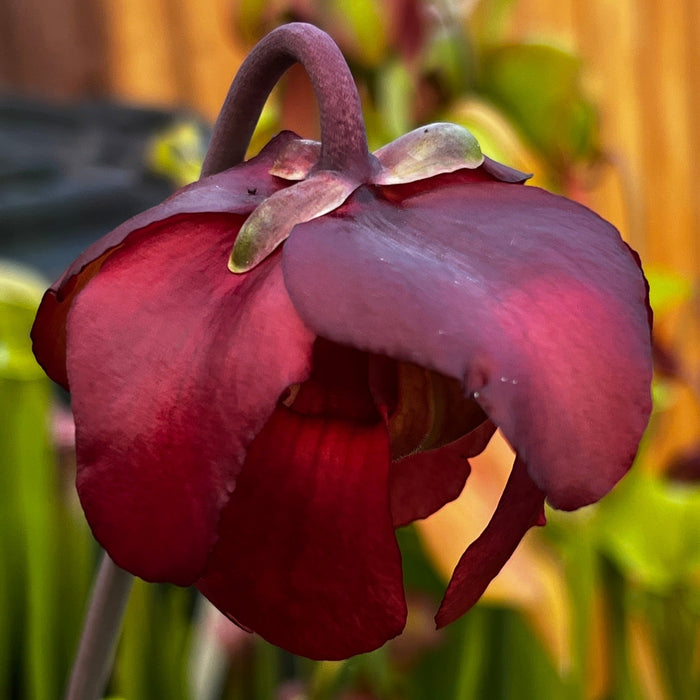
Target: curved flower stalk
x,y
289,358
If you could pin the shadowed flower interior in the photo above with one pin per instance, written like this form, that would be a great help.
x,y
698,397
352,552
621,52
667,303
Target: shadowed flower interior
x,y
260,431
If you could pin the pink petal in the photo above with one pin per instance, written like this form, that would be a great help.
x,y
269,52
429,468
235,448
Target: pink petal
x,y
531,300
175,364
518,510
424,482
307,556
237,191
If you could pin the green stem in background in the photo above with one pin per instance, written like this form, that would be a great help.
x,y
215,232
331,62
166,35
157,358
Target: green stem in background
x,y
100,632
623,685
208,658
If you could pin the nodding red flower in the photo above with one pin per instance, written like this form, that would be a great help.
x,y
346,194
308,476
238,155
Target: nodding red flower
x,y
289,358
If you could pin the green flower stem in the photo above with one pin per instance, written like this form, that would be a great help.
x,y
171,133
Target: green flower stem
x,y
343,136
100,632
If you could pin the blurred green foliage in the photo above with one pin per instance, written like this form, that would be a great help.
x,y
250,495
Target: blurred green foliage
x,y
632,563
45,549
539,87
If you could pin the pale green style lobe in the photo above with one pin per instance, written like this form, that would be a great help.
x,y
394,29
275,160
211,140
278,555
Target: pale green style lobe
x,y
427,151
272,222
418,155
296,159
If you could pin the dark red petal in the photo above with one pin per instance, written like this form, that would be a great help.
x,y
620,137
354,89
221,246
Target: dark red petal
x,y
530,299
175,364
518,510
424,482
306,555
236,191
338,386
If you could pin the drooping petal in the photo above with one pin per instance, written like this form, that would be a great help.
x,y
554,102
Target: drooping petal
x,y
307,556
518,510
174,366
237,191
531,300
424,482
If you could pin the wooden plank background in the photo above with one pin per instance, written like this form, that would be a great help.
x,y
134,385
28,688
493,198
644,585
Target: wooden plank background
x,y
641,59
642,66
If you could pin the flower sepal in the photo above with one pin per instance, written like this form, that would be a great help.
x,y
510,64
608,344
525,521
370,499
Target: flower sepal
x,y
430,150
421,154
273,220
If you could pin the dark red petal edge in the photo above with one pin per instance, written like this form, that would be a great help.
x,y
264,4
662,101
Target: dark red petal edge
x,y
520,507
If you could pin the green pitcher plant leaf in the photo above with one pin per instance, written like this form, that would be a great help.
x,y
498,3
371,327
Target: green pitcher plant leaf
x,y
651,529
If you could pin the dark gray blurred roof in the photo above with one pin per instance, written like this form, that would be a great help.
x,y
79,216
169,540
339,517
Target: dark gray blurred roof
x,y
71,173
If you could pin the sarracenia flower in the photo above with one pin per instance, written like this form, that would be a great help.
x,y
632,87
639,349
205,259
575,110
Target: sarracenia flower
x,y
286,360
